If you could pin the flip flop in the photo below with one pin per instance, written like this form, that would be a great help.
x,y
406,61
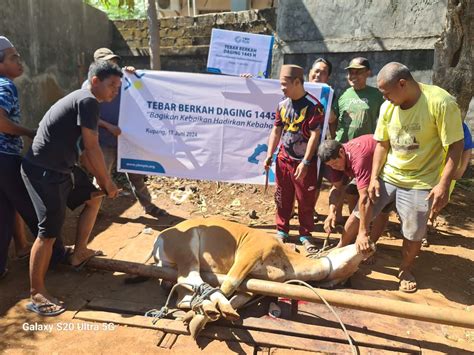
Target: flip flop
x,y
39,308
402,285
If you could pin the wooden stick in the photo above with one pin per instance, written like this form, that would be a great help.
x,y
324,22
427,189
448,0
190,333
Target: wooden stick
x,y
441,315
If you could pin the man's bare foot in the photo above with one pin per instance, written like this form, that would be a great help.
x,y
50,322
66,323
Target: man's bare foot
x,y
79,257
45,297
407,281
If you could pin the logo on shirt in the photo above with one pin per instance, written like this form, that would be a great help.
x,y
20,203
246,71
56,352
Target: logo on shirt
x,y
404,141
291,120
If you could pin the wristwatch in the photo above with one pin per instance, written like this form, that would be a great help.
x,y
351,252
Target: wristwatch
x,y
306,162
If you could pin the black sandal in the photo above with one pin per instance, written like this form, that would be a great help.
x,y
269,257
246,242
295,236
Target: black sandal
x,y
156,212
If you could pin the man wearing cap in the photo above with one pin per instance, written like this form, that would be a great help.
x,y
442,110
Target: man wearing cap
x,y
298,124
357,110
419,131
13,194
108,133
358,107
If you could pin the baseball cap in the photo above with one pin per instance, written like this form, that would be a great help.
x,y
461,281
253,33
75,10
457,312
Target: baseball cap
x,y
5,43
105,54
359,63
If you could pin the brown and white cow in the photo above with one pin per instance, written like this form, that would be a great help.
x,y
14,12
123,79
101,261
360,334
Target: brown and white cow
x,y
223,247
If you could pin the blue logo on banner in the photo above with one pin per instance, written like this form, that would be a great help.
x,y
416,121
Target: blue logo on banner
x,y
241,39
262,148
136,84
142,165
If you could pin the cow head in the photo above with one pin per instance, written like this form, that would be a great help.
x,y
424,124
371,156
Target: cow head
x,y
343,263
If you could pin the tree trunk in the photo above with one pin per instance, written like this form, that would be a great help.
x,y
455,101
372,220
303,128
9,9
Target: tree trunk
x,y
154,33
452,69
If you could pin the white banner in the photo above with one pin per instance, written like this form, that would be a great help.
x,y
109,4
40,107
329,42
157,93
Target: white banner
x,y
234,53
200,126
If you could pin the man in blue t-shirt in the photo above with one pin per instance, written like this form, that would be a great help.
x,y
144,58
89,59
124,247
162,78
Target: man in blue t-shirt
x,y
14,200
108,133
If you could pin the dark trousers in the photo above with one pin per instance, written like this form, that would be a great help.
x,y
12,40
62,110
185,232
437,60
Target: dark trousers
x,y
14,197
287,188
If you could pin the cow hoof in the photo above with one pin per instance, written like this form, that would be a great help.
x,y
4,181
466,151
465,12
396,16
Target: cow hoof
x,y
210,311
188,317
197,324
228,312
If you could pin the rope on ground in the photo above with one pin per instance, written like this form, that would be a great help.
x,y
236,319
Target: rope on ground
x,y
158,314
353,348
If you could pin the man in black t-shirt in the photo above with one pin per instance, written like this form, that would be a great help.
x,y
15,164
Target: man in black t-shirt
x,y
54,182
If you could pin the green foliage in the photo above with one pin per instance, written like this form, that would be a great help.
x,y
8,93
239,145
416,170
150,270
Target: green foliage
x,y
120,9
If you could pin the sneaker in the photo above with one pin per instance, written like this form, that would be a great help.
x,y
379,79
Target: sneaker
x,y
282,236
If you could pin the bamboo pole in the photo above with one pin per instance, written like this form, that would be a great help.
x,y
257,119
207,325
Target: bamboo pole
x,y
441,315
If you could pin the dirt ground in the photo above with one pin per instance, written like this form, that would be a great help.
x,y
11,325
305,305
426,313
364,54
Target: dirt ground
x,y
444,270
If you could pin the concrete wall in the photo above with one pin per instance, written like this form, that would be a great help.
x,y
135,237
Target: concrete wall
x,y
382,30
185,40
56,40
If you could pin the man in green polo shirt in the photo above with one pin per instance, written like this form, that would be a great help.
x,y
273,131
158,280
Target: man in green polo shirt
x,y
358,107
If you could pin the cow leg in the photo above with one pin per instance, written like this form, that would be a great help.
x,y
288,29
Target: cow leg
x,y
237,273
199,316
160,261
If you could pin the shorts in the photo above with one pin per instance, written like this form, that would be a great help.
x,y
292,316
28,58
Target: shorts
x,y
411,205
51,192
351,188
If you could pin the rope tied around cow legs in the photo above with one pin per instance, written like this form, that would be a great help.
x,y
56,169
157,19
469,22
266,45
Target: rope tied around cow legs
x,y
201,293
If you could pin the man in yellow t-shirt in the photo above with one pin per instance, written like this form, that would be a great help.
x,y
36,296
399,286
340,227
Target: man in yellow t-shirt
x,y
419,127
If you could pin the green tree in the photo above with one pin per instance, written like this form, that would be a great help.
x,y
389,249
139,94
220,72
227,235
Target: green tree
x,y
119,9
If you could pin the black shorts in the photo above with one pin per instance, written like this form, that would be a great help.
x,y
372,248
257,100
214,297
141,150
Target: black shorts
x,y
349,183
51,192
351,187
